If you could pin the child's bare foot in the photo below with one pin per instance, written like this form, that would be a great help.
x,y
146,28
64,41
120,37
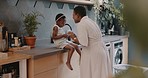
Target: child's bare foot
x,y
69,65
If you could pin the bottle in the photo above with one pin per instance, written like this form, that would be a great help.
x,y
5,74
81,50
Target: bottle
x,y
12,41
16,41
19,42
5,42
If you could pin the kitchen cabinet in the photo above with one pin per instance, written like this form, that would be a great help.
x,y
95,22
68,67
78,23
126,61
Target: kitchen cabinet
x,y
48,74
17,57
46,67
45,63
81,2
43,67
51,63
71,3
125,50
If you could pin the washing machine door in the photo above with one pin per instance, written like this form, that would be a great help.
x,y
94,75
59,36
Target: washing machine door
x,y
118,56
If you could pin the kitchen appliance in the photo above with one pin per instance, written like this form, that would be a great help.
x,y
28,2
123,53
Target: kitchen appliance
x,y
3,37
118,54
108,46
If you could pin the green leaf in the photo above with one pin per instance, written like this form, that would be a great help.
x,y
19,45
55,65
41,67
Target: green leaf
x,y
30,22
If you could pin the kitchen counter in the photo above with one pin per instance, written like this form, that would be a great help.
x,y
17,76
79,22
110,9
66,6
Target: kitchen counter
x,y
41,51
49,62
112,38
13,57
51,49
17,57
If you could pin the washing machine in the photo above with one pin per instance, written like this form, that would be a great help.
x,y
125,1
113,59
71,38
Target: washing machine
x,y
118,54
108,46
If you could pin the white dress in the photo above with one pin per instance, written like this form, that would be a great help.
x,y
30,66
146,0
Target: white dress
x,y
61,43
95,62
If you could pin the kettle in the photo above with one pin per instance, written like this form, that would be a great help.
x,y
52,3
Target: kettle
x,y
3,37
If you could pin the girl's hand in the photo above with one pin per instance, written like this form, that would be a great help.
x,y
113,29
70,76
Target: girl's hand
x,y
65,35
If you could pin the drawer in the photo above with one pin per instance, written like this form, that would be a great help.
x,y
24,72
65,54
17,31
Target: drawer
x,y
45,63
47,74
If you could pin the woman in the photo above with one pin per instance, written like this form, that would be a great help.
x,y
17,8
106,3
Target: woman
x,y
95,62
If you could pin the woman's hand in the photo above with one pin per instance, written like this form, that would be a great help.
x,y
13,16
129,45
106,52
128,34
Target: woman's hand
x,y
70,33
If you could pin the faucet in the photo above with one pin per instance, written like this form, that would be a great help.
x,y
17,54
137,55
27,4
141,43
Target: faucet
x,y
110,31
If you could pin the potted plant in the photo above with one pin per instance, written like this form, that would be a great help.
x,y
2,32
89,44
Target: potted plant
x,y
108,14
31,26
121,21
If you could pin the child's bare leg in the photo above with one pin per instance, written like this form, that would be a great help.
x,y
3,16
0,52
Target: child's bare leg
x,y
76,47
70,52
73,37
78,51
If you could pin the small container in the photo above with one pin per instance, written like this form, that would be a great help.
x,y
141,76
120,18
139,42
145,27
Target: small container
x,y
16,41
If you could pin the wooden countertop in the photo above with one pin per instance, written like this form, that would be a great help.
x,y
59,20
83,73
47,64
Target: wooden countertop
x,y
39,51
13,57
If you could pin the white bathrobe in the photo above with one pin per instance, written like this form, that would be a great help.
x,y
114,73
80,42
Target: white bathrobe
x,y
95,61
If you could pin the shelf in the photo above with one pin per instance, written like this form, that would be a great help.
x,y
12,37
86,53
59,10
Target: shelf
x,y
74,2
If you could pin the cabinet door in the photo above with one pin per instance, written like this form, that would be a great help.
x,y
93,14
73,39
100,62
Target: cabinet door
x,y
47,74
125,50
45,63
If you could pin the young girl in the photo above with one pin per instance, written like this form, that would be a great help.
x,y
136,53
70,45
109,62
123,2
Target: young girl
x,y
60,38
